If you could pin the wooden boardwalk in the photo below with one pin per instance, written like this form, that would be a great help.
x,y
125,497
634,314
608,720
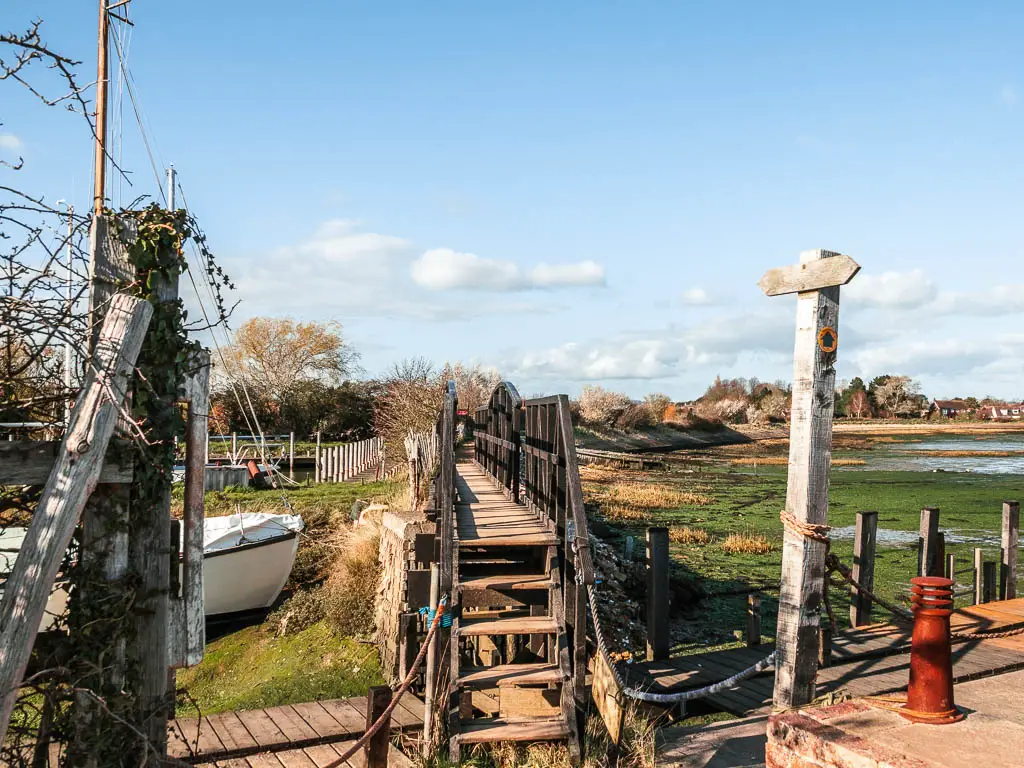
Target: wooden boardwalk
x,y
865,662
296,732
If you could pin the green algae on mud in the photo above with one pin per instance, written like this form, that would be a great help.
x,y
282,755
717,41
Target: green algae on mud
x,y
745,500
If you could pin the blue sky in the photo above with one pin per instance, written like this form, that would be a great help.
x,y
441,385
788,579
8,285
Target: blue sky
x,y
585,192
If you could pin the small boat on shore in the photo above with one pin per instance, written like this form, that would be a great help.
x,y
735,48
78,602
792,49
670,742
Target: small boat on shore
x,y
247,559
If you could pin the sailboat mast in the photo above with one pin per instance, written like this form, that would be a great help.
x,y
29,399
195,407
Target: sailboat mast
x,y
102,79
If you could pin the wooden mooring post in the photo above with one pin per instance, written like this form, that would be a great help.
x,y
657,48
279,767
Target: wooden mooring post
x,y
929,562
863,567
816,281
1008,551
316,459
375,753
657,594
753,620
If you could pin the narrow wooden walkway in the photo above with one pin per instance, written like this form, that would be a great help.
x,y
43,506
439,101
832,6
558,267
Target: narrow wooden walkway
x,y
252,734
485,517
865,662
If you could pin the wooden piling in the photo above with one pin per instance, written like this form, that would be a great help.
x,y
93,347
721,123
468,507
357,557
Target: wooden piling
x,y
1008,551
291,451
753,620
979,563
375,753
234,447
863,567
432,662
657,594
928,562
988,589
825,646
316,459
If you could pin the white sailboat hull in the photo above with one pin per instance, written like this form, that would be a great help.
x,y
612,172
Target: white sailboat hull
x,y
248,577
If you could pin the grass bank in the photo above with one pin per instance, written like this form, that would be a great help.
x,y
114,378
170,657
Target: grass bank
x,y
311,646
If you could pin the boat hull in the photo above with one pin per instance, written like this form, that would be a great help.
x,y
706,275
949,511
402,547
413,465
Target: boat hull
x,y
247,577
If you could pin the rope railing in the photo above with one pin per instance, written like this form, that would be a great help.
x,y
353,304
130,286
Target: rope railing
x,y
385,716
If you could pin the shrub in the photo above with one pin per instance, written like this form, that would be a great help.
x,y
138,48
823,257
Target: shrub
x,y
300,611
352,586
658,405
634,417
600,407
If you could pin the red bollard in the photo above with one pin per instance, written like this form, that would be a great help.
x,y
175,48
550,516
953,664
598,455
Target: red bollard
x,y
930,694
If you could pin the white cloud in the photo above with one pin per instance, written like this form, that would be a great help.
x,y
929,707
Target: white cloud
x,y
443,269
10,141
892,290
697,297
1000,300
558,275
1008,95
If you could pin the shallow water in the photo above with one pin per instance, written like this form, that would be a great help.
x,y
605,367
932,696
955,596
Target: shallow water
x,y
892,538
899,457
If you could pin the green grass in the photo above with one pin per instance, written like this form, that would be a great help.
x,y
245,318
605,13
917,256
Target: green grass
x,y
742,502
304,499
251,669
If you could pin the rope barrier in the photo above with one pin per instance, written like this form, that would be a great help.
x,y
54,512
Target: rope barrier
x,y
409,678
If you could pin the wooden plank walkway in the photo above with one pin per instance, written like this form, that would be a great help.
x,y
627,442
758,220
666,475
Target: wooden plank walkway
x,y
865,662
231,736
485,517
311,757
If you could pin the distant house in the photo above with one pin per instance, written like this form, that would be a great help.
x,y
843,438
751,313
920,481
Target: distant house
x,y
950,409
1002,411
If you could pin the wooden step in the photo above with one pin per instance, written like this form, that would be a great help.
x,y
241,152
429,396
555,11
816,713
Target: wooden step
x,y
507,582
509,674
539,538
519,625
534,729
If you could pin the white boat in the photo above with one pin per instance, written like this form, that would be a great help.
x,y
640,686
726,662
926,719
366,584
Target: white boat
x,y
247,559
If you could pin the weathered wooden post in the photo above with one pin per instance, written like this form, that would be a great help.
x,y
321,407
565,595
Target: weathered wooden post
x,y
429,703
291,451
988,581
753,620
657,594
815,280
375,753
316,459
1008,559
928,562
951,567
979,565
863,567
234,447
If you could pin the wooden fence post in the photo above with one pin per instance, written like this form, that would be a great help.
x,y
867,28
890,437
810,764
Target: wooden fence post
x,y
657,594
928,562
753,620
1008,559
291,451
429,696
71,481
375,753
988,581
815,280
316,459
979,583
234,447
863,567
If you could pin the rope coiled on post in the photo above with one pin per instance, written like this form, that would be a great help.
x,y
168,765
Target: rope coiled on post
x,y
385,716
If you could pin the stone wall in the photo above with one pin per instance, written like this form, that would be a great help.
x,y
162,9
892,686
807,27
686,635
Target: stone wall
x,y
397,556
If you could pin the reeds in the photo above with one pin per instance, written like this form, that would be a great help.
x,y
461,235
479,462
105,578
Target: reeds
x,y
688,535
747,544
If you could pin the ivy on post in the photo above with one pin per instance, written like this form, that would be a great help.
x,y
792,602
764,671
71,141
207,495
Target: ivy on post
x,y
815,280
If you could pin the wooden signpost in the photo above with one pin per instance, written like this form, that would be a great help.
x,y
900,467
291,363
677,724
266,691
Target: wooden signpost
x,y
815,280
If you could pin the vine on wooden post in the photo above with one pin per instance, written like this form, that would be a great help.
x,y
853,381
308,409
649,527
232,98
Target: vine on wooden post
x,y
85,695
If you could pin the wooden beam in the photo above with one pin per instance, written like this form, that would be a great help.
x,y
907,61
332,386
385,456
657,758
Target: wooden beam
x,y
863,567
822,269
657,594
375,753
1008,559
74,477
29,462
803,558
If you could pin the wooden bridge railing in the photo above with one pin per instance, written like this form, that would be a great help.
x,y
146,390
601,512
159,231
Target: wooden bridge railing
x,y
444,482
528,447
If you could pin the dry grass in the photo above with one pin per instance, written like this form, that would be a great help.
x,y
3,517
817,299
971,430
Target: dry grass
x,y
781,460
351,587
747,544
687,535
624,512
652,496
596,473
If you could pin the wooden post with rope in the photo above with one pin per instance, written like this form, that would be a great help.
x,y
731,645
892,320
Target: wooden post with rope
x,y
815,280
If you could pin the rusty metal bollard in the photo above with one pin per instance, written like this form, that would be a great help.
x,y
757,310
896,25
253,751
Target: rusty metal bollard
x,y
930,694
